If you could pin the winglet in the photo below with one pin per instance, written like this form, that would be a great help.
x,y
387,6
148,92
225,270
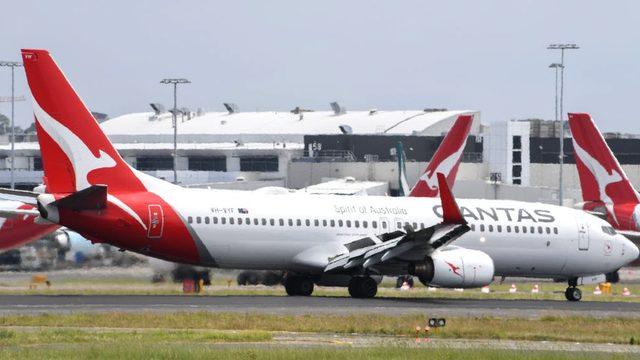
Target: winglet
x,y
450,211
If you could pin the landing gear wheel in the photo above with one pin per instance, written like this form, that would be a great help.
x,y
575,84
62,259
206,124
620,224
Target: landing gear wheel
x,y
363,287
573,293
298,286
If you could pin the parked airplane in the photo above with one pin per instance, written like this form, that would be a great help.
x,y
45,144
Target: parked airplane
x,y
606,189
319,239
18,226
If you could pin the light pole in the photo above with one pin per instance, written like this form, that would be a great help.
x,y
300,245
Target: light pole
x,y
174,113
12,65
562,48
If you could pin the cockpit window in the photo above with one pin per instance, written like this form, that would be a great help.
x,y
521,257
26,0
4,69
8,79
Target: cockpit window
x,y
609,230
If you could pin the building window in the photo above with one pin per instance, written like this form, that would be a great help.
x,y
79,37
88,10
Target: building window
x,y
516,171
517,181
517,157
154,163
517,142
204,163
259,163
37,164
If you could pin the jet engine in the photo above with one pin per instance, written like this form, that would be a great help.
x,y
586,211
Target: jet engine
x,y
455,267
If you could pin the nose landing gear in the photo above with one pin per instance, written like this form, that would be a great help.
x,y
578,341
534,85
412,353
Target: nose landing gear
x,y
573,293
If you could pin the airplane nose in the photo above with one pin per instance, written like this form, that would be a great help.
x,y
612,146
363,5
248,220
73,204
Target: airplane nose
x,y
631,251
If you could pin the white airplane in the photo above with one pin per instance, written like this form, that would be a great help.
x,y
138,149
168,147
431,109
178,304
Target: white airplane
x,y
318,239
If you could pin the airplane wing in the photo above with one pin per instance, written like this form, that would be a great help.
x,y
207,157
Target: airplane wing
x,y
370,251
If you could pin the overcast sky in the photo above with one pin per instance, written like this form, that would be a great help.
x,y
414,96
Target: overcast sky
x,y
275,55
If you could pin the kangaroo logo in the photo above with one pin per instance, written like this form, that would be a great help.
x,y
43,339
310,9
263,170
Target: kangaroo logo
x,y
445,167
455,269
82,159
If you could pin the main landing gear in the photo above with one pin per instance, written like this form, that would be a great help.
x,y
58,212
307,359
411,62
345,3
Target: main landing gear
x,y
362,287
298,285
573,293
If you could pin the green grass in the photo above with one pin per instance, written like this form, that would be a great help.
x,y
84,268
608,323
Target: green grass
x,y
551,328
122,286
200,351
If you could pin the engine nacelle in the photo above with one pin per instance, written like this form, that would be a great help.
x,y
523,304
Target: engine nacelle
x,y
455,267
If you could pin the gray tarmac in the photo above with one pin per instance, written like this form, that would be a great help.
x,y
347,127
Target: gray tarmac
x,y
16,304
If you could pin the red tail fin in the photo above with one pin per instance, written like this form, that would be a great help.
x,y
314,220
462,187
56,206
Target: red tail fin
x,y
601,177
446,160
75,151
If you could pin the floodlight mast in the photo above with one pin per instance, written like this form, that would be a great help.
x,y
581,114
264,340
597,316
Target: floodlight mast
x,y
12,65
562,48
174,111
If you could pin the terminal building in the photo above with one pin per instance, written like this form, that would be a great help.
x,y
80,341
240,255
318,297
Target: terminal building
x,y
301,148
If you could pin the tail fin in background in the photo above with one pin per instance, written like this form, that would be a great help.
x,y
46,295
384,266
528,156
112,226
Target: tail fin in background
x,y
403,185
75,151
601,177
446,160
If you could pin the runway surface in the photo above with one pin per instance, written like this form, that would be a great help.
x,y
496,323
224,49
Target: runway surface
x,y
12,304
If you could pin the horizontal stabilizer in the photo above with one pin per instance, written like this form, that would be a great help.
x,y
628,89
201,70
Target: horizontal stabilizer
x,y
9,213
91,198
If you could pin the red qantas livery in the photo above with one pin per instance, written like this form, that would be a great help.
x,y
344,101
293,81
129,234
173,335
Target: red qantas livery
x,y
446,160
17,225
604,184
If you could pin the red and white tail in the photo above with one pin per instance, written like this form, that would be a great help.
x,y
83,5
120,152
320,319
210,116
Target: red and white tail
x,y
446,160
75,152
601,177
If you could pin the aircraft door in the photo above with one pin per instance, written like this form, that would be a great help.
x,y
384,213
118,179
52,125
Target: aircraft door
x,y
583,236
156,221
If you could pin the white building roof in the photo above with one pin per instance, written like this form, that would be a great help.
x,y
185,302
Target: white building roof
x,y
278,126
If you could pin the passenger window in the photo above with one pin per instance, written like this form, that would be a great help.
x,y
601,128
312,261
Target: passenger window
x,y
298,222
356,223
399,225
524,229
421,225
548,230
215,220
333,223
384,224
508,228
190,220
473,227
324,223
499,228
198,219
516,229
206,219
415,226
374,224
482,227
307,222
540,229
533,229
272,222
290,222
340,223
239,221
490,228
555,230
231,220
316,222
364,224
281,222
264,221
348,223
